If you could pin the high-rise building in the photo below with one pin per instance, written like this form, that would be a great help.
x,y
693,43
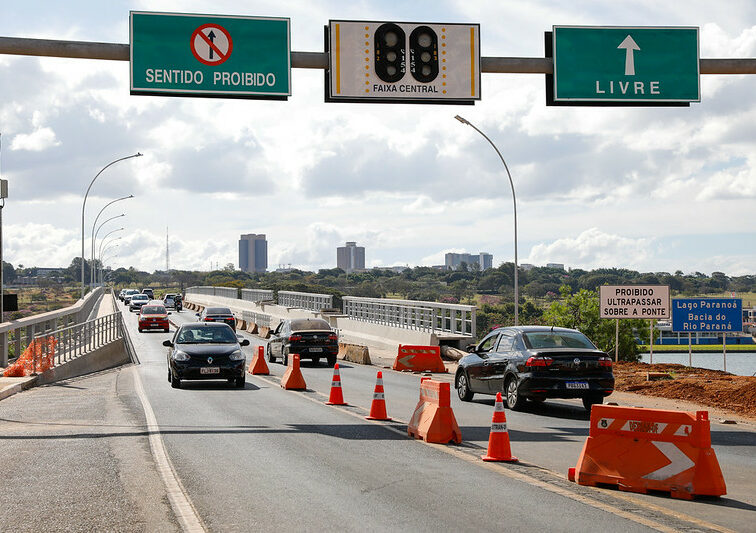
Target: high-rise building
x,y
350,257
253,253
453,261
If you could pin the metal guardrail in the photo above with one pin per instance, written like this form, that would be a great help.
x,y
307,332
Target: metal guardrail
x,y
225,292
79,339
261,319
256,295
305,300
410,314
19,333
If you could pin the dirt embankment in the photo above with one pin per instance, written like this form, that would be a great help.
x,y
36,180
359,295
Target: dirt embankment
x,y
707,387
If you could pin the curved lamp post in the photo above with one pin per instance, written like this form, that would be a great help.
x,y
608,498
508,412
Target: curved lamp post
x,y
102,269
103,250
83,208
514,202
95,225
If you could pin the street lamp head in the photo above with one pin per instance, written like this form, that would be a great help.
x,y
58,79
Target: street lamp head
x,y
462,120
138,154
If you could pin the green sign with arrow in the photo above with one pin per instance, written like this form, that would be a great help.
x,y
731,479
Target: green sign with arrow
x,y
210,55
626,64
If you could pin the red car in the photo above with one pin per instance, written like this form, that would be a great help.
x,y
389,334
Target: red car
x,y
153,316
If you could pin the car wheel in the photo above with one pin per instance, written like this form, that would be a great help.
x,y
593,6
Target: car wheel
x,y
331,360
285,357
463,389
170,374
175,382
140,330
514,400
240,382
591,400
269,353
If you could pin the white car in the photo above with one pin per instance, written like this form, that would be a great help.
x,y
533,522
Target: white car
x,y
137,301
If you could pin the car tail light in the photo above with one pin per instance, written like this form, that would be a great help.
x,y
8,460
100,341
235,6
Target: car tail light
x,y
605,362
333,337
295,338
539,362
208,319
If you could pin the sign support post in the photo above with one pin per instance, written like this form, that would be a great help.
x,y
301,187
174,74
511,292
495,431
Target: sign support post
x,y
651,340
616,341
690,351
724,350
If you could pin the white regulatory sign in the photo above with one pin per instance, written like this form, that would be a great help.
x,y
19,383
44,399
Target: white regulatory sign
x,y
634,301
403,62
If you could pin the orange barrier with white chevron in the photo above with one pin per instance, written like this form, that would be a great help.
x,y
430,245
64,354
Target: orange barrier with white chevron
x,y
419,359
433,419
650,449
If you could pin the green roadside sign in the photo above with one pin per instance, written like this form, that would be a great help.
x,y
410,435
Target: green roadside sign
x,y
175,54
626,64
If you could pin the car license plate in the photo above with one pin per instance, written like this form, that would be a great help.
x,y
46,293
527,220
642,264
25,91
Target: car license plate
x,y
316,350
577,384
210,370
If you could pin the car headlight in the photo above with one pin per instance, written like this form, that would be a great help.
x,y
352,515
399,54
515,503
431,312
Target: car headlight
x,y
178,355
236,355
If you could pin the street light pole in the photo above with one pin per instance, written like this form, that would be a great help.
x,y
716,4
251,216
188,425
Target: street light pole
x,y
94,239
103,251
95,225
514,203
83,208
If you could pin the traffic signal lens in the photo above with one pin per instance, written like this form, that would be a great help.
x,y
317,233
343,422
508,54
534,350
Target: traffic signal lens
x,y
391,57
426,70
425,57
391,38
424,40
391,70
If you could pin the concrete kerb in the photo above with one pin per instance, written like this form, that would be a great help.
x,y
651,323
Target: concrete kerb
x,y
11,386
252,328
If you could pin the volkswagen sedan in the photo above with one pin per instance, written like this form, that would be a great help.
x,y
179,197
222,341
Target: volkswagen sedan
x,y
535,363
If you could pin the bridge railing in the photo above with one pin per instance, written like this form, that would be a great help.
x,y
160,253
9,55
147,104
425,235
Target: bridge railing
x,y
305,300
79,339
261,319
426,316
17,334
225,292
256,295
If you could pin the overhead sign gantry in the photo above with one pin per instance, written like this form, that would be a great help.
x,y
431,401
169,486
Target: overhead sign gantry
x,y
403,62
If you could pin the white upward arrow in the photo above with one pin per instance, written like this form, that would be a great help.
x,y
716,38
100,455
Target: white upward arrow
x,y
630,46
679,462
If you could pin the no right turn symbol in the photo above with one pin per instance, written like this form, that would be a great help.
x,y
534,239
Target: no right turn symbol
x,y
211,44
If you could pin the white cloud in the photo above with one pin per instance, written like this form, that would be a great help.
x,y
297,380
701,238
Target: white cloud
x,y
38,140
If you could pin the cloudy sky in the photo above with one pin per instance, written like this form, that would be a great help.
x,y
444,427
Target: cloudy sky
x,y
653,189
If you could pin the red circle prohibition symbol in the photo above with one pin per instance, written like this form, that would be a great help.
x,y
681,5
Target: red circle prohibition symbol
x,y
213,50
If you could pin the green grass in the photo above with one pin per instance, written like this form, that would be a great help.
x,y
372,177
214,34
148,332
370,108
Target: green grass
x,y
683,348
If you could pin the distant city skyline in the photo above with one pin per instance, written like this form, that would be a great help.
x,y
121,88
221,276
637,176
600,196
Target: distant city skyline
x,y
253,253
453,261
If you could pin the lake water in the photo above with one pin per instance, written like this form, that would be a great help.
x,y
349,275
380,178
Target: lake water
x,y
741,363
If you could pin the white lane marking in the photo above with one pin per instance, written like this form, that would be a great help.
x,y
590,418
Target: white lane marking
x,y
679,462
182,506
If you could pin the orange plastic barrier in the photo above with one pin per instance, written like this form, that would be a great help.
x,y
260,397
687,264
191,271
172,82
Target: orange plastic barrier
x,y
378,406
433,419
38,357
650,449
258,366
293,378
498,439
419,359
336,397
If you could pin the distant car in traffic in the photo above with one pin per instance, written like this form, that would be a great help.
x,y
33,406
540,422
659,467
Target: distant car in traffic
x,y
206,351
311,338
535,363
153,315
218,314
169,300
149,293
137,301
128,294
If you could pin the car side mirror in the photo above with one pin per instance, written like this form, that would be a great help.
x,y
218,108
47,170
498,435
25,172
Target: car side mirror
x,y
169,312
197,314
168,344
244,342
470,348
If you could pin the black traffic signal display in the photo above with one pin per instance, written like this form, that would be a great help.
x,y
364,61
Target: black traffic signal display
x,y
423,54
390,53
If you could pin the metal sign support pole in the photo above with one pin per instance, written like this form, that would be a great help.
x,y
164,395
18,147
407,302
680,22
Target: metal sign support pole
x,y
651,339
616,341
690,351
724,350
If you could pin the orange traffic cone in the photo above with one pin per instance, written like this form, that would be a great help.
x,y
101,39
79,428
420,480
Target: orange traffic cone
x,y
293,378
378,407
258,364
336,397
498,440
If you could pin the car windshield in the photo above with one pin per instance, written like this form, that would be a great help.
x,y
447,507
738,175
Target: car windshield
x,y
218,311
153,310
557,339
140,297
308,324
203,334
